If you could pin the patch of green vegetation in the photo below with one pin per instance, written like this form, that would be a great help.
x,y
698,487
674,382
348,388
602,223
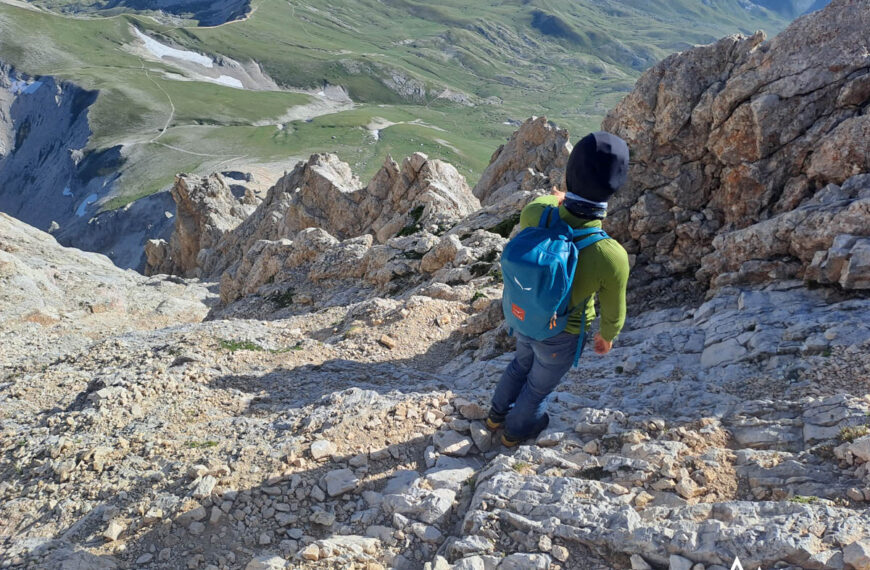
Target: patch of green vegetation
x,y
803,500
520,466
282,299
414,226
236,345
825,451
480,269
496,275
827,353
491,256
505,227
202,444
413,255
851,433
408,230
286,349
478,295
471,482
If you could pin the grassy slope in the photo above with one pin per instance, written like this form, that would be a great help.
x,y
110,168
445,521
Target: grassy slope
x,y
579,60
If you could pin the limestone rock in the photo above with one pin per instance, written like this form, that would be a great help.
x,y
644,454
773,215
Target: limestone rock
x,y
205,210
822,235
340,481
114,530
267,562
720,136
453,443
534,157
857,555
322,448
427,506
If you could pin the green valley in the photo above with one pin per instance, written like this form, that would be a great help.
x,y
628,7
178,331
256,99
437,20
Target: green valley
x,y
451,80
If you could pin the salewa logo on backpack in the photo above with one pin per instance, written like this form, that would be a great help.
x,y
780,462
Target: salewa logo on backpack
x,y
518,313
539,265
521,285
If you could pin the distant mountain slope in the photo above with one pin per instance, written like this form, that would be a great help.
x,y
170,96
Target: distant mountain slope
x,y
206,12
792,8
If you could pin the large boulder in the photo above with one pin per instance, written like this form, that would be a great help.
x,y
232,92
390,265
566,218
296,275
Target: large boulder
x,y
739,132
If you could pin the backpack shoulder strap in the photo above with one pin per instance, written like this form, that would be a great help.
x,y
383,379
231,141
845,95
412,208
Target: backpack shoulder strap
x,y
585,237
547,216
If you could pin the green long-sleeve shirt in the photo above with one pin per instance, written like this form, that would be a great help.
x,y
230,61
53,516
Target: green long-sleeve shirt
x,y
602,269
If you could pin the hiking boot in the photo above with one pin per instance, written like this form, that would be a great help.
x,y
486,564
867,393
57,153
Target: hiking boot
x,y
494,422
511,441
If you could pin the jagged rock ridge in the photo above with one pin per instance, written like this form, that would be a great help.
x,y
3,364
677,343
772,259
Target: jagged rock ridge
x,y
317,204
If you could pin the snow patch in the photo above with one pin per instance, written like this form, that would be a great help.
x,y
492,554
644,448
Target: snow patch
x,y
19,87
229,81
80,212
161,51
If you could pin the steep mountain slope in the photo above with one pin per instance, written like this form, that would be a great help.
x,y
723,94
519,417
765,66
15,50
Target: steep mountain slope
x,y
350,436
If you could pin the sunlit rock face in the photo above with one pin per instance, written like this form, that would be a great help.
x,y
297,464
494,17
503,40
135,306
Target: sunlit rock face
x,y
744,132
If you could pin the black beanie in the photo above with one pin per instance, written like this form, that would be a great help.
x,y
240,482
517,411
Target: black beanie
x,y
597,167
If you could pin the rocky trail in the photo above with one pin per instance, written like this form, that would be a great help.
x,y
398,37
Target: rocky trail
x,y
348,437
302,380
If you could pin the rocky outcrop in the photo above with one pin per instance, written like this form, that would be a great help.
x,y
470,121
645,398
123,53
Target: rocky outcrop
x,y
420,195
533,158
824,240
205,210
740,132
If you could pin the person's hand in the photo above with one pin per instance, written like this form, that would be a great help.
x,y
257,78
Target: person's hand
x,y
602,346
558,194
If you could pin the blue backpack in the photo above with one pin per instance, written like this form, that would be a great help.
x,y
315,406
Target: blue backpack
x,y
538,266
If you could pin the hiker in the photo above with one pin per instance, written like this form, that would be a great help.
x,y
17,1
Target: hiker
x,y
597,167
